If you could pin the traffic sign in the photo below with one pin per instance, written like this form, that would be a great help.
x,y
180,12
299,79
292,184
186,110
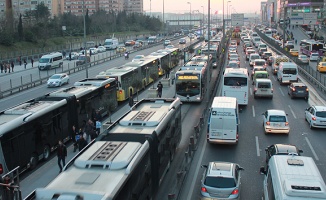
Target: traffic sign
x,y
296,19
237,19
310,18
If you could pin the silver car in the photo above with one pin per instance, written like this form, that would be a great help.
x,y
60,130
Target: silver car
x,y
303,58
221,180
57,80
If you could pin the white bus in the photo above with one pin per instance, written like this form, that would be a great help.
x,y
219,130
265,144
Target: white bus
x,y
127,161
292,177
287,72
223,123
235,84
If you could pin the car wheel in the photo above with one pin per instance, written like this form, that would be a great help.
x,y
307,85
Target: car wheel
x,y
68,81
46,152
310,125
33,161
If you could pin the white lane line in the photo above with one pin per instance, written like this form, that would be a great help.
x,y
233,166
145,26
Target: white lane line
x,y
196,172
281,91
250,89
274,78
253,111
257,147
311,148
292,112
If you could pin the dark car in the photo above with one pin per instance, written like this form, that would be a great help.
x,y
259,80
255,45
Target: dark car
x,y
182,41
281,149
266,55
83,60
299,90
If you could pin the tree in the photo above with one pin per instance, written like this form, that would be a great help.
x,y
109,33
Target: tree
x,y
88,23
20,28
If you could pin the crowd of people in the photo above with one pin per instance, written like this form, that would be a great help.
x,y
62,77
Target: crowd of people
x,y
8,66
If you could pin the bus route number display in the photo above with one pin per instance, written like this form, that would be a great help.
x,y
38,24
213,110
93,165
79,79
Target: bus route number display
x,y
185,77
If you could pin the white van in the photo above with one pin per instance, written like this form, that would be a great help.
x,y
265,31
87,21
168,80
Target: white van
x,y
292,177
223,123
252,58
287,72
110,44
263,88
50,61
262,45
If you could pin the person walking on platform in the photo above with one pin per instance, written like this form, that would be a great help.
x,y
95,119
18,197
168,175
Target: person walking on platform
x,y
25,63
159,89
32,61
81,142
61,154
12,66
1,67
131,101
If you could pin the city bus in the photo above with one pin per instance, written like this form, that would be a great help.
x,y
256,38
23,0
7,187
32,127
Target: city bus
x,y
129,160
164,58
311,46
30,131
127,74
235,84
190,81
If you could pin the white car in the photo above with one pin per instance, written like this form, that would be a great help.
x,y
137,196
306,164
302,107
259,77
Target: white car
x,y
138,58
93,50
303,58
74,56
101,49
57,80
169,46
314,57
275,121
316,116
167,42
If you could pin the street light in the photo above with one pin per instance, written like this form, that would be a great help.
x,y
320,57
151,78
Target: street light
x,y
227,11
85,52
202,30
190,13
163,19
230,24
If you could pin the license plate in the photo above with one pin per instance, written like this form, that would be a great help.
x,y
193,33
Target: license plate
x,y
300,91
216,134
277,125
264,90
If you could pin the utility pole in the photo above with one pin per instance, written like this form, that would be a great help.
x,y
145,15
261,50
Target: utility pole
x,y
209,48
85,51
284,23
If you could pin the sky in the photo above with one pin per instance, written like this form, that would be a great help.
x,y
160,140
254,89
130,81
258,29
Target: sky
x,y
181,6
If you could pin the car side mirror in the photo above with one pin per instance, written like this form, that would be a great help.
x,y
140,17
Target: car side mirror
x,y
262,170
300,151
203,166
241,168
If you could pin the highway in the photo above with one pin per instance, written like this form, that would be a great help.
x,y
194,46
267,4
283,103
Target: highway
x,y
249,152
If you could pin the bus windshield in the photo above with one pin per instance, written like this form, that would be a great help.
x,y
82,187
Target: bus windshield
x,y
188,85
235,81
316,47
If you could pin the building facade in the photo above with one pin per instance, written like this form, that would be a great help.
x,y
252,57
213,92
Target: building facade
x,y
57,7
263,12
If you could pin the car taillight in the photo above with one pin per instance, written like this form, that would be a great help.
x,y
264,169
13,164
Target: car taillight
x,y
293,89
203,189
268,123
255,89
286,123
307,89
235,191
120,91
313,118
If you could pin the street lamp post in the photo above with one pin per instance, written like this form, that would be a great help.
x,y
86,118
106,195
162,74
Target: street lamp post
x,y
230,24
208,37
223,22
202,30
227,11
85,52
163,19
190,14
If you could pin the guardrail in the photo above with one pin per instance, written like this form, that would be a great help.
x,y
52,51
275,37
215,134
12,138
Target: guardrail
x,y
311,75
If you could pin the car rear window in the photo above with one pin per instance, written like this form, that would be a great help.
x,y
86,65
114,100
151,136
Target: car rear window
x,y
264,85
321,114
220,182
260,63
300,87
277,118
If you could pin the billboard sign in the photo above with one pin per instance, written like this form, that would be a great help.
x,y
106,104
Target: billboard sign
x,y
296,18
310,18
237,19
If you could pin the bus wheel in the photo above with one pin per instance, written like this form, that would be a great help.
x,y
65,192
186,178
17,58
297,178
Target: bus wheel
x,y
46,152
33,161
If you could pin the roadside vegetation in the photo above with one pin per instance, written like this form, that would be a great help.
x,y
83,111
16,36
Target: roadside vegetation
x,y
37,29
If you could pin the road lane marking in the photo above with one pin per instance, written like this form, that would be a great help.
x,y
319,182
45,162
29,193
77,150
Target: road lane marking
x,y
197,170
311,148
292,112
250,89
257,147
274,78
281,91
253,111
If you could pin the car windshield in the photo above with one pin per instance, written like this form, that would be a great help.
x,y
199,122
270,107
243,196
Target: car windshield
x,y
323,64
55,76
268,54
254,57
314,54
233,65
138,57
44,60
275,118
321,114
220,182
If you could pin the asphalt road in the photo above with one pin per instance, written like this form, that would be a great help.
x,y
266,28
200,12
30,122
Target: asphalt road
x,y
249,152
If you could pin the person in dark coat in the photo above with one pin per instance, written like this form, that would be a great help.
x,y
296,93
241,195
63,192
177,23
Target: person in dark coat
x,y
12,66
25,63
61,154
81,142
159,89
75,137
131,101
1,66
32,62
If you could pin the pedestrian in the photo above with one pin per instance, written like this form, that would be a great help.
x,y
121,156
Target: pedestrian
x,y
89,129
82,143
12,66
25,63
167,73
69,56
159,89
131,101
75,137
90,53
61,154
20,60
32,61
1,67
8,66
98,126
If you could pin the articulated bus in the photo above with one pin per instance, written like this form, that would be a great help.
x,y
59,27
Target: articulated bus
x,y
236,84
190,81
164,58
127,161
311,46
31,130
127,74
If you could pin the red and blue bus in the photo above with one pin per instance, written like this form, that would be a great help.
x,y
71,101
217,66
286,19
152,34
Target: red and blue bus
x,y
311,46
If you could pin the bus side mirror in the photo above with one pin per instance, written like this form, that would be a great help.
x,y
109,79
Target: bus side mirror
x,y
203,166
262,170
